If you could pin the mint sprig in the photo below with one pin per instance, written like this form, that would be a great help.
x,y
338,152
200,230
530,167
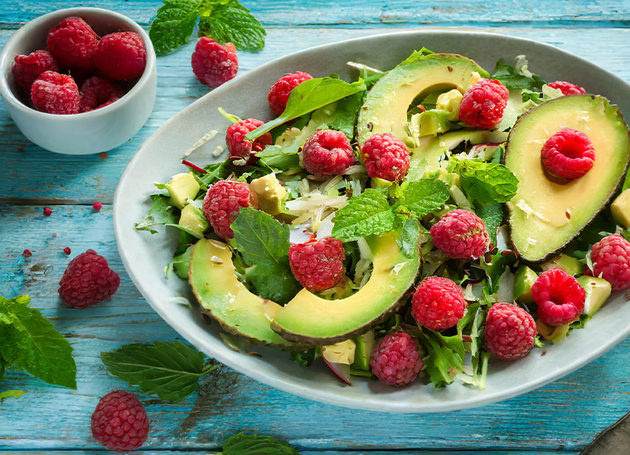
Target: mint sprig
x,y
254,444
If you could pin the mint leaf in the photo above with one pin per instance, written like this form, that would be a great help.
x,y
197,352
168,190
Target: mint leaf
x,y
423,196
485,183
173,25
279,159
368,213
169,370
253,444
492,217
160,213
513,80
409,237
232,23
11,394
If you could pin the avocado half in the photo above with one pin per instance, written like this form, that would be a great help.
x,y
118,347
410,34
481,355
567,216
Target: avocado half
x,y
544,215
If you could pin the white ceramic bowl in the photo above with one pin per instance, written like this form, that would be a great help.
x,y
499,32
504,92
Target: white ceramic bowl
x,y
90,132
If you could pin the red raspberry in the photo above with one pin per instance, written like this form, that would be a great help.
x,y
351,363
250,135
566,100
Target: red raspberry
x,y
461,234
73,43
559,297
97,206
396,360
318,264
214,64
96,92
483,104
567,88
241,148
510,331
611,261
121,55
27,253
385,157
327,152
27,68
438,303
222,203
87,280
120,422
47,211
282,88
55,93
568,154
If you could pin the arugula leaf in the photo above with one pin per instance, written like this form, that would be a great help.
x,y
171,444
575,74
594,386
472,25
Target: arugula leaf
x,y
252,444
423,196
416,55
160,213
169,370
345,115
173,25
232,23
11,394
514,80
215,172
368,213
445,357
278,158
485,183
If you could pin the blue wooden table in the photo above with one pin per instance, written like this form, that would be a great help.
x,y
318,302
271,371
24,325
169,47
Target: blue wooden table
x,y
561,417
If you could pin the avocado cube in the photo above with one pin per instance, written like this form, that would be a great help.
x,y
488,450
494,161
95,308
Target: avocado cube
x,y
597,292
181,188
620,209
342,352
431,122
193,218
363,351
270,194
524,279
555,334
567,263
450,101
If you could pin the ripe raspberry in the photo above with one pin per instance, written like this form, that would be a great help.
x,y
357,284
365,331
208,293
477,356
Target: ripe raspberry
x,y
396,360
438,303
318,264
510,331
121,55
97,92
87,280
239,147
27,68
97,206
214,64
282,88
385,157
461,234
27,253
611,261
47,211
568,154
327,152
567,88
67,250
55,93
559,297
483,104
73,43
222,203
120,422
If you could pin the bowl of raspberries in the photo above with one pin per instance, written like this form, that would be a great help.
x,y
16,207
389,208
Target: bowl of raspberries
x,y
80,80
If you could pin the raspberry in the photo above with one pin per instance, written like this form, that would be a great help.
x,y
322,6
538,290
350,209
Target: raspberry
x,y
55,93
396,360
461,234
120,422
567,88
97,206
611,261
510,331
327,152
559,297
87,280
318,264
568,154
282,88
96,91
214,64
483,104
438,303
239,147
67,250
222,203
47,211
385,157
27,68
73,43
27,253
121,55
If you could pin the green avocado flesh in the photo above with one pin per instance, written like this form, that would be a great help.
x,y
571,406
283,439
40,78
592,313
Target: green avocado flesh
x,y
309,319
544,215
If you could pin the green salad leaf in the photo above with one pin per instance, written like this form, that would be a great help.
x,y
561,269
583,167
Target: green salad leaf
x,y
278,158
160,214
445,357
516,80
253,444
368,213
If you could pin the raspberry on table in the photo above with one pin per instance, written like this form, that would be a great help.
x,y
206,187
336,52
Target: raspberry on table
x,y
120,422
241,148
73,43
27,68
55,93
567,88
559,297
461,234
318,264
385,157
121,56
327,152
279,92
222,203
568,155
484,103
214,64
396,359
611,261
97,92
87,280
510,331
438,303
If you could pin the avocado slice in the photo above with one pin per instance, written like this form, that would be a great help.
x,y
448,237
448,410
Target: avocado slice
x,y
544,215
620,209
564,262
309,319
364,346
222,296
